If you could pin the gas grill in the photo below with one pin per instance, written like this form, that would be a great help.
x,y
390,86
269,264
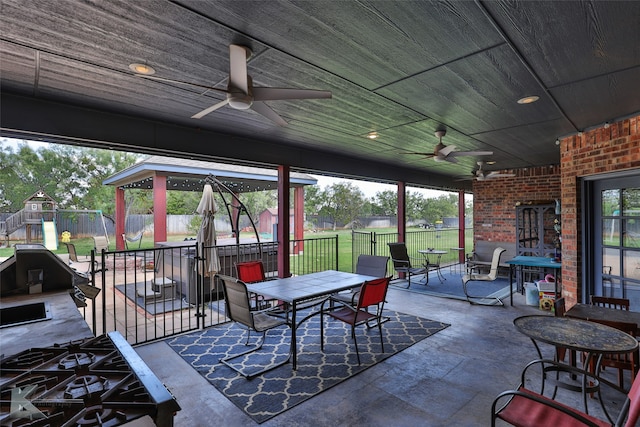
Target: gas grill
x,y
94,382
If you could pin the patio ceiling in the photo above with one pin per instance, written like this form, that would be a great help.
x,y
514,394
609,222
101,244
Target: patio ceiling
x,y
399,68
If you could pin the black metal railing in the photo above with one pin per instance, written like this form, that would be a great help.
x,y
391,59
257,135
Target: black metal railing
x,y
150,294
374,243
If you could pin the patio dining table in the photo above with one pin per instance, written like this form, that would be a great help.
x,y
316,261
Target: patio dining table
x,y
594,312
593,339
298,290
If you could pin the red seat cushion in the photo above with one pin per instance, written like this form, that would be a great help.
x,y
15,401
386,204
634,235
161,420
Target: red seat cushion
x,y
523,412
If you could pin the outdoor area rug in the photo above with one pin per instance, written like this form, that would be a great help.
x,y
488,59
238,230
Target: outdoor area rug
x,y
272,393
452,287
152,306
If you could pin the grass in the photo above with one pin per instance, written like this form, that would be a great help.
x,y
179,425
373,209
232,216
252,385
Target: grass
x,y
345,239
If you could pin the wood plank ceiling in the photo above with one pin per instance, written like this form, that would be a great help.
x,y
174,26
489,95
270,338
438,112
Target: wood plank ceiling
x,y
398,68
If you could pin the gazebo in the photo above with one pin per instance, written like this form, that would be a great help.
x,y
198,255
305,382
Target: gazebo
x,y
160,174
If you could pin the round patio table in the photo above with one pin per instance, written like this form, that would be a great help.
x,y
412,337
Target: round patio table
x,y
434,265
592,338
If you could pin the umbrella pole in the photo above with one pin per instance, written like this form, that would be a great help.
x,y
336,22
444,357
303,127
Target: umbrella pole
x,y
200,260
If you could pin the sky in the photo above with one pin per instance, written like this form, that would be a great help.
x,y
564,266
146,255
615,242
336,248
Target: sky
x,y
368,188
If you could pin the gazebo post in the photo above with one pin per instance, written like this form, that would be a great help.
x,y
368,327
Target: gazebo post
x,y
283,221
159,208
120,219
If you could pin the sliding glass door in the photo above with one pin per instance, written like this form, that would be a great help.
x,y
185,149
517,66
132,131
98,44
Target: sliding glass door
x,y
612,239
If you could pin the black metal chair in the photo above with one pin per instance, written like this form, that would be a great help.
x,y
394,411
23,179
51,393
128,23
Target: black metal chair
x,y
402,261
238,309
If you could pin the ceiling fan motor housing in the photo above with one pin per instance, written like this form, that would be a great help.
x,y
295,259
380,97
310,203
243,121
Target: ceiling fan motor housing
x,y
238,99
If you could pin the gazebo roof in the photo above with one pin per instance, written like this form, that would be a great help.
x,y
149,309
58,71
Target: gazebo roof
x,y
189,175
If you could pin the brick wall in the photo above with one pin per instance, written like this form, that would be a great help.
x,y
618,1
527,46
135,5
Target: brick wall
x,y
494,200
600,150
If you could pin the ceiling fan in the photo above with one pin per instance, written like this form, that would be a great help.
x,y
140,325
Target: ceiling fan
x,y
481,175
242,95
444,153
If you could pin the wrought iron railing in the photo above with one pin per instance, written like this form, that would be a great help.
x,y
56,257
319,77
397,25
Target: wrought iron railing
x,y
151,294
375,243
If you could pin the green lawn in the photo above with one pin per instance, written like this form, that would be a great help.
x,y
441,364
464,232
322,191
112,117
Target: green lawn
x,y
446,241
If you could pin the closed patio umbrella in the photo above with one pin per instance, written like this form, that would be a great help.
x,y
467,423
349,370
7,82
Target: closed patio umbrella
x,y
207,232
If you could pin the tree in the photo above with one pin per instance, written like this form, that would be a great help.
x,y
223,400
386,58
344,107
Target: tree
x,y
343,203
442,206
70,175
386,203
314,199
257,201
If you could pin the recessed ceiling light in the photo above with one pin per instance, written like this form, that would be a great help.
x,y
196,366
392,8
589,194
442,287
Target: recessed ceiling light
x,y
372,135
490,162
142,69
528,99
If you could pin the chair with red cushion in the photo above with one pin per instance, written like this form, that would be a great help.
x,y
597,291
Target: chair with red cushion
x,y
253,272
250,271
372,294
526,408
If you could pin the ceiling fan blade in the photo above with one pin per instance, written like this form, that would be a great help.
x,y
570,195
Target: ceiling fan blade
x,y
162,79
275,94
422,154
446,150
499,175
265,110
211,109
238,68
471,153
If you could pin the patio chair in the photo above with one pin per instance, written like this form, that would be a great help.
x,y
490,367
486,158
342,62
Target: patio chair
x,y
621,362
370,265
238,309
610,302
253,272
372,293
402,261
84,265
100,243
478,277
527,408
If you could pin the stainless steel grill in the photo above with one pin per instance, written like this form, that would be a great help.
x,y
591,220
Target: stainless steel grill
x,y
94,382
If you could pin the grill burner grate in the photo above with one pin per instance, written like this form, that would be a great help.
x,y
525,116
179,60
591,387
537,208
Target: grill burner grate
x,y
85,386
94,382
76,360
99,416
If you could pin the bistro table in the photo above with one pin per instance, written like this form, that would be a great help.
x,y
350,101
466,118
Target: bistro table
x,y
532,261
298,290
579,335
594,312
435,265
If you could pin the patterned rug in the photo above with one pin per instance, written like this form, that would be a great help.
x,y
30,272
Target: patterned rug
x,y
272,393
451,287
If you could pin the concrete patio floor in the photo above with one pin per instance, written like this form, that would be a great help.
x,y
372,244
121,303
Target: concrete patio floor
x,y
448,379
